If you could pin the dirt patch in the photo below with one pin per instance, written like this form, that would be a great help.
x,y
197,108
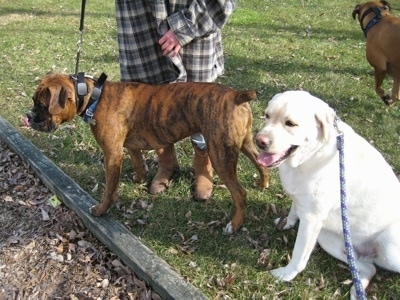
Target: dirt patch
x,y
45,250
12,17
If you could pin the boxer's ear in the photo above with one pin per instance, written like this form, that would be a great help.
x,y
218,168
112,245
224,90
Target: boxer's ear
x,y
356,11
58,98
386,5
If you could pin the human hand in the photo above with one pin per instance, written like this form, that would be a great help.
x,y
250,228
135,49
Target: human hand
x,y
169,44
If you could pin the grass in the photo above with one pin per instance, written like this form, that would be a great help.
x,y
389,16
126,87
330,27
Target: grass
x,y
270,47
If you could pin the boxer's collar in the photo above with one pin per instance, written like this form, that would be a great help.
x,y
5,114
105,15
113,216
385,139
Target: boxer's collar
x,y
82,91
94,99
377,11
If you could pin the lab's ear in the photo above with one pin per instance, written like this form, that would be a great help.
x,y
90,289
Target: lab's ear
x,y
325,118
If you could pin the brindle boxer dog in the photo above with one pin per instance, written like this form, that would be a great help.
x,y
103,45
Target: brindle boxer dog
x,y
382,31
141,116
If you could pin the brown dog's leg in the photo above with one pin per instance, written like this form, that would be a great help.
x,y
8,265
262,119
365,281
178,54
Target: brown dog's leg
x,y
379,76
167,163
395,89
113,163
203,172
138,165
224,162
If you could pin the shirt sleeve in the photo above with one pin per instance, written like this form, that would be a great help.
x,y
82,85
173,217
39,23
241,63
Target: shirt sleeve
x,y
200,18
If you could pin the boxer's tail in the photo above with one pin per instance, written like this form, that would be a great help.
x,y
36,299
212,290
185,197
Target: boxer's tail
x,y
245,96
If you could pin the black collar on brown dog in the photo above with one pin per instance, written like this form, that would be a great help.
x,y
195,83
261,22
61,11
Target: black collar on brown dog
x,y
81,91
377,10
94,99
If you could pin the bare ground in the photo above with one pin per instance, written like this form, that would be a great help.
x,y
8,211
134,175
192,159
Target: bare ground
x,y
46,252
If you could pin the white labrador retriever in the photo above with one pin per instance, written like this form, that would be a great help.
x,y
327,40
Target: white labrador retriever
x,y
299,137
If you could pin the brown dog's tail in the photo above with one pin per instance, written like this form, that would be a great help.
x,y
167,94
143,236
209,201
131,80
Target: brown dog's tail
x,y
245,96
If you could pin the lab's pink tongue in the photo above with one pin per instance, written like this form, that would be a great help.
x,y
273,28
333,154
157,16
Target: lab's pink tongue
x,y
26,121
267,159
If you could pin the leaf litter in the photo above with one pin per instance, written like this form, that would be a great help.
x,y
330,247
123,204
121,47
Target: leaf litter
x,y
45,250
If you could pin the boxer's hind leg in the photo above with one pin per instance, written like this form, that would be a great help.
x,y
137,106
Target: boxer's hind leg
x,y
138,165
224,159
395,89
380,74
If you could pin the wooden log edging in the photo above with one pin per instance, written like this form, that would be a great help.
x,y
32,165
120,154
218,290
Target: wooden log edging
x,y
118,239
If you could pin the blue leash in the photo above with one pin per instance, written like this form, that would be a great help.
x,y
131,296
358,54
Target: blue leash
x,y
360,293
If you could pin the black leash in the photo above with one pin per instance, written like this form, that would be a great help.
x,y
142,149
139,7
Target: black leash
x,y
79,78
81,87
78,52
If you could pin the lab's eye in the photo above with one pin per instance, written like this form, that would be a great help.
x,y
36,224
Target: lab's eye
x,y
266,116
290,123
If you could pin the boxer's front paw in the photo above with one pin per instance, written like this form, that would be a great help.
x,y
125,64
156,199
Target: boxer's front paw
x,y
97,210
387,100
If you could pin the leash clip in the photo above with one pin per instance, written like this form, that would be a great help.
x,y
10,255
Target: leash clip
x,y
339,137
335,124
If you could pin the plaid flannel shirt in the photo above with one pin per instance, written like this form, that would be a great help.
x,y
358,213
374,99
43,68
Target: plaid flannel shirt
x,y
197,25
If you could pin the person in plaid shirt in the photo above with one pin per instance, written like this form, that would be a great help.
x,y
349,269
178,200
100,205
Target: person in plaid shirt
x,y
166,41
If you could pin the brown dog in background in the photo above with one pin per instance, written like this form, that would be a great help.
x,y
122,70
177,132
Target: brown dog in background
x,y
382,31
141,116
